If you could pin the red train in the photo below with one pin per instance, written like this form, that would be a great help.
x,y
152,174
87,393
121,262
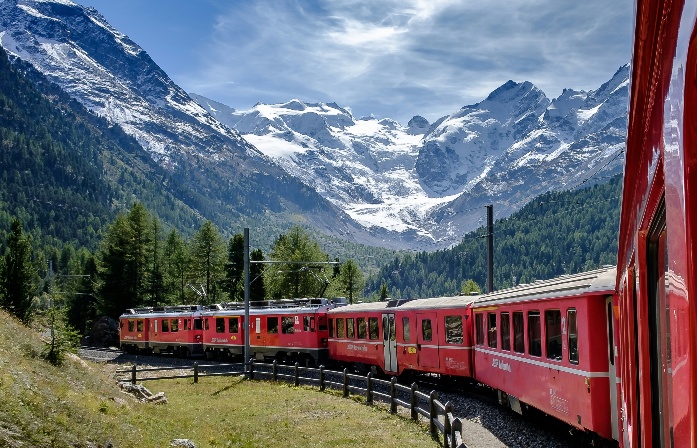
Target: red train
x,y
657,302
549,344
293,330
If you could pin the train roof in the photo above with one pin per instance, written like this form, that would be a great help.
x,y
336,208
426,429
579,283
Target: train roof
x,y
402,304
592,282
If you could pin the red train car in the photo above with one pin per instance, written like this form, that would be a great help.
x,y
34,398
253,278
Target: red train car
x,y
657,245
398,336
170,329
294,330
551,345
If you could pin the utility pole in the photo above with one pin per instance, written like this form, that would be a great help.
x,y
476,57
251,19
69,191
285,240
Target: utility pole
x,y
246,302
490,248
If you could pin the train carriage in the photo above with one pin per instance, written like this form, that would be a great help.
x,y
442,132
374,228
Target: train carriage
x,y
424,335
658,223
551,345
289,330
171,329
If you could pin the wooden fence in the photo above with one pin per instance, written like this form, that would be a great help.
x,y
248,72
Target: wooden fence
x,y
440,416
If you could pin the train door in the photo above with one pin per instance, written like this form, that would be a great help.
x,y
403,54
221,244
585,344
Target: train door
x,y
612,370
427,340
389,342
659,331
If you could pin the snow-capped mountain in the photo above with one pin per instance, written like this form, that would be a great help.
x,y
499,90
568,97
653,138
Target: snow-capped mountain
x,y
77,49
427,181
370,180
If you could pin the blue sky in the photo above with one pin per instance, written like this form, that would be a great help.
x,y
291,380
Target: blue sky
x,y
388,58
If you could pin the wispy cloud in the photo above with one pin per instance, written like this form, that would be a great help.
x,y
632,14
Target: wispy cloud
x,y
406,57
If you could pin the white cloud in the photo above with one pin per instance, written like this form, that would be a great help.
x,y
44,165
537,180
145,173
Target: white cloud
x,y
407,57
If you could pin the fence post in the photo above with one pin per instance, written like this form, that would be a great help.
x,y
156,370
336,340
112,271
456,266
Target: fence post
x,y
251,368
133,374
414,402
455,428
274,369
446,424
432,411
369,388
195,372
393,395
346,389
321,378
297,374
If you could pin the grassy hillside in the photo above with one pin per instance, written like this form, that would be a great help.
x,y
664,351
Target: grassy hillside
x,y
80,405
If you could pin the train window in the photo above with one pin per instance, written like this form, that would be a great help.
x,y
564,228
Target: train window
x,y
139,325
198,324
287,325
131,326
362,333
572,335
553,334
331,328
406,331
272,325
233,324
491,330
340,329
453,330
479,327
165,325
350,329
186,324
306,323
393,330
155,321
373,328
205,325
426,330
321,323
534,333
505,332
518,332
175,326
220,325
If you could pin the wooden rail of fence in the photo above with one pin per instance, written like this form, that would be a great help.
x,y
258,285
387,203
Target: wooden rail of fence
x,y
440,416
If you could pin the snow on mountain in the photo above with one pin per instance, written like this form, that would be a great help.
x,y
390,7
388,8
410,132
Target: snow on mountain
x,y
422,181
100,67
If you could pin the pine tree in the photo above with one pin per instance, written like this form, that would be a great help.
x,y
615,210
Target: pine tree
x,y
208,260
234,268
351,279
16,275
176,267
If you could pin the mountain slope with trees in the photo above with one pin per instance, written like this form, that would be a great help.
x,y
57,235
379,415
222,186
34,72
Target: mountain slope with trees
x,y
557,233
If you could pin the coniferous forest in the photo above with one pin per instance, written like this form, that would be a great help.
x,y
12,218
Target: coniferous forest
x,y
79,195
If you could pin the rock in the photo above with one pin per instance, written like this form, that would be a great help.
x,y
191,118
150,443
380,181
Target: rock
x,y
185,443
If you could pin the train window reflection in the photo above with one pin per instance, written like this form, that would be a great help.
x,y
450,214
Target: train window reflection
x,y
572,335
139,325
220,325
234,324
534,334
491,330
373,328
426,330
288,325
553,334
340,329
518,332
453,329
406,331
505,332
272,325
362,333
350,329
479,328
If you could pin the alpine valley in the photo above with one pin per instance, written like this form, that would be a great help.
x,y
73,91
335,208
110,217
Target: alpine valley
x,y
374,181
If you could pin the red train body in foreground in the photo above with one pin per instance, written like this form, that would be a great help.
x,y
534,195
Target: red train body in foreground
x,y
657,302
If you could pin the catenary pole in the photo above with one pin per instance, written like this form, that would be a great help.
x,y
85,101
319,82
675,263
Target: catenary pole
x,y
246,301
490,248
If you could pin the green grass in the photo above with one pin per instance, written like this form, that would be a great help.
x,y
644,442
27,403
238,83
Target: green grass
x,y
80,405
